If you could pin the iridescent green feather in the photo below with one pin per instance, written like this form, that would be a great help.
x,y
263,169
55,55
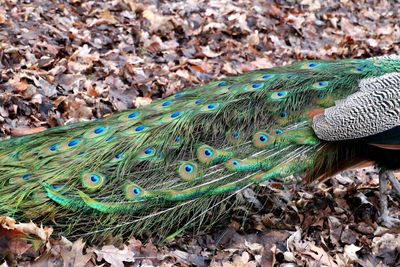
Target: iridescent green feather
x,y
169,165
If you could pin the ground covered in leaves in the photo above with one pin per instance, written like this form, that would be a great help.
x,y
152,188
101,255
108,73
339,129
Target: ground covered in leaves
x,y
66,61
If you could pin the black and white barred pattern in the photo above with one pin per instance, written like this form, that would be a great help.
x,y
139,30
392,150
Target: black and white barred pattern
x,y
385,57
375,108
386,81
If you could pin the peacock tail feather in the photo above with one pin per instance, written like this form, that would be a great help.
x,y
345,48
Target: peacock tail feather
x,y
171,164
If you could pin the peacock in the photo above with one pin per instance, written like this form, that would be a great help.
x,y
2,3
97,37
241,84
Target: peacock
x,y
172,165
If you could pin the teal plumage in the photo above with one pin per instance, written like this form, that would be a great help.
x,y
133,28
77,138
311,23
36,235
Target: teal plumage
x,y
166,166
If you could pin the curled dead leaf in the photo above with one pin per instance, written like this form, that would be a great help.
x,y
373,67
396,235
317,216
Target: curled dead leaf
x,y
17,132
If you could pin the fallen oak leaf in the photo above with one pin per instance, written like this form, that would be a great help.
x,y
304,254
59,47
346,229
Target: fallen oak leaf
x,y
26,228
20,238
115,256
12,241
319,255
74,256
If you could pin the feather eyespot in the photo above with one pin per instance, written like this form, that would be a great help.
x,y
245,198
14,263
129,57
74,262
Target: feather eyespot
x,y
322,83
140,128
133,115
175,115
119,156
279,95
234,137
129,116
178,139
53,148
166,103
99,130
26,176
209,107
358,69
73,142
136,191
233,164
148,151
96,132
223,83
178,95
198,102
257,85
188,168
267,76
205,154
278,131
56,187
188,171
263,138
92,181
208,152
210,156
309,65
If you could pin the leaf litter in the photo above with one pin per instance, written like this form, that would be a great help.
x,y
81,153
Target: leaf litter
x,y
68,61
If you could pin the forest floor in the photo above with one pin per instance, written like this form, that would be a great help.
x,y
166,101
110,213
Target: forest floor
x,y
67,61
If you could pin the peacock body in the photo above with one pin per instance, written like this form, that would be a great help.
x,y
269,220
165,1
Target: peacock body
x,y
171,164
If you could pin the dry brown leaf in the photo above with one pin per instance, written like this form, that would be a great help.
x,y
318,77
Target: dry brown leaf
x,y
319,255
241,21
356,32
18,239
312,4
209,53
253,39
16,132
20,85
156,20
78,109
183,73
142,101
115,256
73,256
3,19
14,242
387,242
107,16
350,252
26,228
